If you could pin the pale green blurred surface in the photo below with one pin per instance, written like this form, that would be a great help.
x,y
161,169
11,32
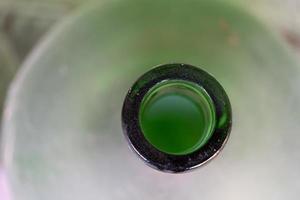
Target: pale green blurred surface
x,y
24,22
63,113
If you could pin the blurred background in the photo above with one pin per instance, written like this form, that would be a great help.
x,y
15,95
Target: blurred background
x,y
23,22
73,60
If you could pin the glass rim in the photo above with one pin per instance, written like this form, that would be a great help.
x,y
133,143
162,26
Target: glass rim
x,y
164,161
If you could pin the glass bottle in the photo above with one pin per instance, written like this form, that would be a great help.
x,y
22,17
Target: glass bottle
x,y
62,130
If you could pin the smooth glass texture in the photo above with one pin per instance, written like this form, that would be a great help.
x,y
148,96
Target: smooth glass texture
x,y
62,134
177,117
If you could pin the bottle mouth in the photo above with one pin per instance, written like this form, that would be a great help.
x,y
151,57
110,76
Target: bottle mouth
x,y
177,117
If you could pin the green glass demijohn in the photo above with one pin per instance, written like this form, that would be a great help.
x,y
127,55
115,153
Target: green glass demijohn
x,y
62,132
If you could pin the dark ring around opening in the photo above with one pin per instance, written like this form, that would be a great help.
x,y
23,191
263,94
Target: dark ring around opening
x,y
146,151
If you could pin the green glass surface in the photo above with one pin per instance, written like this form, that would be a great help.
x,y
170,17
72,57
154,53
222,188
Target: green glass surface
x,y
177,117
64,107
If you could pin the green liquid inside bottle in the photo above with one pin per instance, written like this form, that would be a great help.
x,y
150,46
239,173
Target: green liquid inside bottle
x,y
177,117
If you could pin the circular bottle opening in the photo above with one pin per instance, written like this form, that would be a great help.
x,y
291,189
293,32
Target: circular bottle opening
x,y
177,117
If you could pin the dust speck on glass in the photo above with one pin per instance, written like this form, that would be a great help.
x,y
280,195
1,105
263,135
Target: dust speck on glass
x,y
176,117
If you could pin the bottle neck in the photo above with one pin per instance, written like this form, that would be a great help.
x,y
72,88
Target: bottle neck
x,y
176,117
